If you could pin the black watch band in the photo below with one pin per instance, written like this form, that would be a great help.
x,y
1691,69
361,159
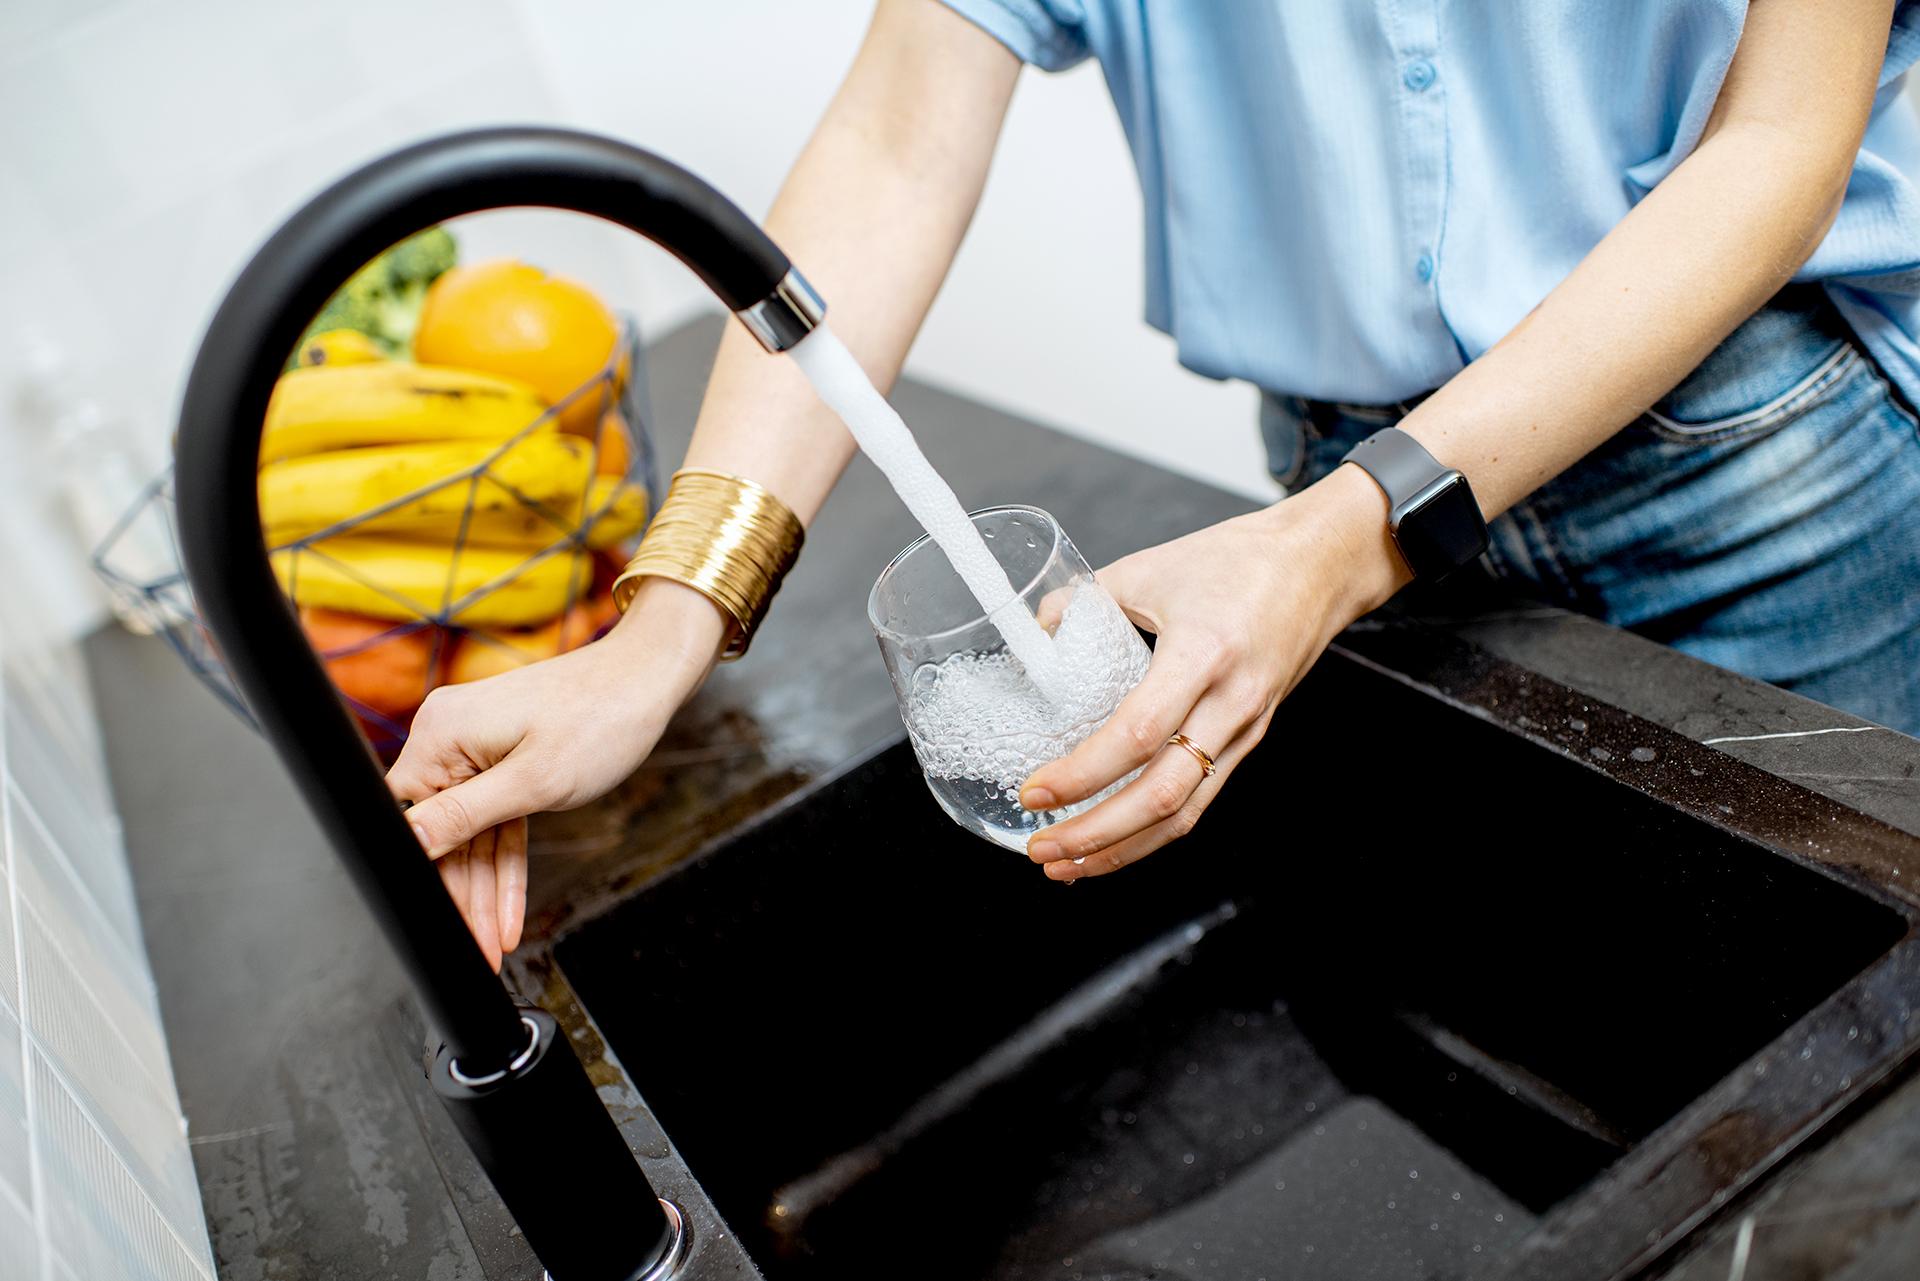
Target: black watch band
x,y
1434,517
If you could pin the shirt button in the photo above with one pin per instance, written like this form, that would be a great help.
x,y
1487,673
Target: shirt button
x,y
1419,75
1423,268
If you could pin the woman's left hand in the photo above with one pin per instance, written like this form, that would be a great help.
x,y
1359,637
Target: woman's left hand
x,y
1240,611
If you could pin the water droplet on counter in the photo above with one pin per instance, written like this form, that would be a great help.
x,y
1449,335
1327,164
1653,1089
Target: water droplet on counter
x,y
1600,753
1644,754
1577,725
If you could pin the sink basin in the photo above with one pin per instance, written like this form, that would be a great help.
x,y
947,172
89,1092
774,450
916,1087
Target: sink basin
x,y
1478,1007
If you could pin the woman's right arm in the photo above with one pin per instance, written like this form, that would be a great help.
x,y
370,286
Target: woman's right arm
x,y
872,213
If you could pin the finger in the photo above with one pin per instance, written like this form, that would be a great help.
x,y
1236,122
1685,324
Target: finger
x,y
1138,729
421,770
448,819
1131,591
1052,606
483,886
1163,789
510,858
1140,844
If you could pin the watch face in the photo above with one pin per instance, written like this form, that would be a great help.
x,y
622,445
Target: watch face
x,y
1441,530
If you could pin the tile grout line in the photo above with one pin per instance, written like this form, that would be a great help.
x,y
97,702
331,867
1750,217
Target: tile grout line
x,y
128,953
35,1179
74,1095
73,970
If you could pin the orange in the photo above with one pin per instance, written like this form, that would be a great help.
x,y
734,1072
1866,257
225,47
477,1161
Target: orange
x,y
490,651
378,664
616,449
505,317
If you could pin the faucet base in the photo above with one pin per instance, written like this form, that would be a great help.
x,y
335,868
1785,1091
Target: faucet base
x,y
668,1264
539,1130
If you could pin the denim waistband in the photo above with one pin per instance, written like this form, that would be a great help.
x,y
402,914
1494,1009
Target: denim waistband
x,y
1798,324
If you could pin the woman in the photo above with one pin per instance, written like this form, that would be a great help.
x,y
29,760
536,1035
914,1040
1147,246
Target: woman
x,y
1522,236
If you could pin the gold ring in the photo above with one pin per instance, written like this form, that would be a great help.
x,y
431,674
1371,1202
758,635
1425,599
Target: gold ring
x,y
1199,753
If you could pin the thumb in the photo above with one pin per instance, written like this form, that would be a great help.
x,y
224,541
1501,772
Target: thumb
x,y
1129,581
449,819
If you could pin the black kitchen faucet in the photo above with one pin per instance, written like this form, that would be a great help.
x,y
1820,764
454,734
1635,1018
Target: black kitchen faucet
x,y
507,1076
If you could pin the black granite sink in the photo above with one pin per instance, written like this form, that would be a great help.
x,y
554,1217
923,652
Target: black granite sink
x,y
1476,1005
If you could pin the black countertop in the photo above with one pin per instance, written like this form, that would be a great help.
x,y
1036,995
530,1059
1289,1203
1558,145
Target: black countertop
x,y
321,1152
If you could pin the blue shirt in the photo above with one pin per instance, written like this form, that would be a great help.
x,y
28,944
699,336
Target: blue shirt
x,y
1350,199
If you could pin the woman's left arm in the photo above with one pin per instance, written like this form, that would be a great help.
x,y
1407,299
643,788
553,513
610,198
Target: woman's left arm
x,y
1241,610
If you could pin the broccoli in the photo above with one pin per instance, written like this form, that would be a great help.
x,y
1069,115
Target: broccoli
x,y
382,300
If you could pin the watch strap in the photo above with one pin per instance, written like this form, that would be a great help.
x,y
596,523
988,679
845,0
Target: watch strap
x,y
1399,464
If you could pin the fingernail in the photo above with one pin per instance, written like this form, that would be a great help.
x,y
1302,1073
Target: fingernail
x,y
420,834
1044,851
1038,798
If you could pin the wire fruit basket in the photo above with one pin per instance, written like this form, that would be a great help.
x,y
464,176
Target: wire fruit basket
x,y
428,610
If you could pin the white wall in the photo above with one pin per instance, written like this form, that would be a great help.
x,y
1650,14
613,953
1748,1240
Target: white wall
x,y
1042,311
95,1176
147,147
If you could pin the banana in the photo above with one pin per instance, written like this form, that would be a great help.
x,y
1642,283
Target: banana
x,y
617,509
339,347
400,579
425,489
326,407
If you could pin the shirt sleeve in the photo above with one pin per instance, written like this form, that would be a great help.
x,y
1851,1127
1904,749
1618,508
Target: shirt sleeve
x,y
1047,33
1903,42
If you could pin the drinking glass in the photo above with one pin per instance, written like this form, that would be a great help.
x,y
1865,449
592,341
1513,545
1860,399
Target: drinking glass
x,y
978,724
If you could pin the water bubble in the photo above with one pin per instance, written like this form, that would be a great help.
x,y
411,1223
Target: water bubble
x,y
1187,1159
1499,1218
1281,1186
1311,1105
1456,1196
1413,1174
1853,1034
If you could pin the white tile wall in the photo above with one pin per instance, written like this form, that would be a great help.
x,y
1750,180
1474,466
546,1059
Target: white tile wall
x,y
146,148
96,1180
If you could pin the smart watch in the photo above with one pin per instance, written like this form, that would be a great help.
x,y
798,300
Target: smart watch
x,y
1435,519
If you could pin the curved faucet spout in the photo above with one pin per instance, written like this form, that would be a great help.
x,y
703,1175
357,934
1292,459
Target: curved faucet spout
x,y
245,346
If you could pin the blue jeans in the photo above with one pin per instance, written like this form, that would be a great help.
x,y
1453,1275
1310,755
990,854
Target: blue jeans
x,y
1764,517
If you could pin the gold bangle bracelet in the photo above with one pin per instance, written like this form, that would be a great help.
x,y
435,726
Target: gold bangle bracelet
x,y
725,537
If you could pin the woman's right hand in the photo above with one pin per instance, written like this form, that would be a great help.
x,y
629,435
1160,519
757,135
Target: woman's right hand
x,y
550,736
